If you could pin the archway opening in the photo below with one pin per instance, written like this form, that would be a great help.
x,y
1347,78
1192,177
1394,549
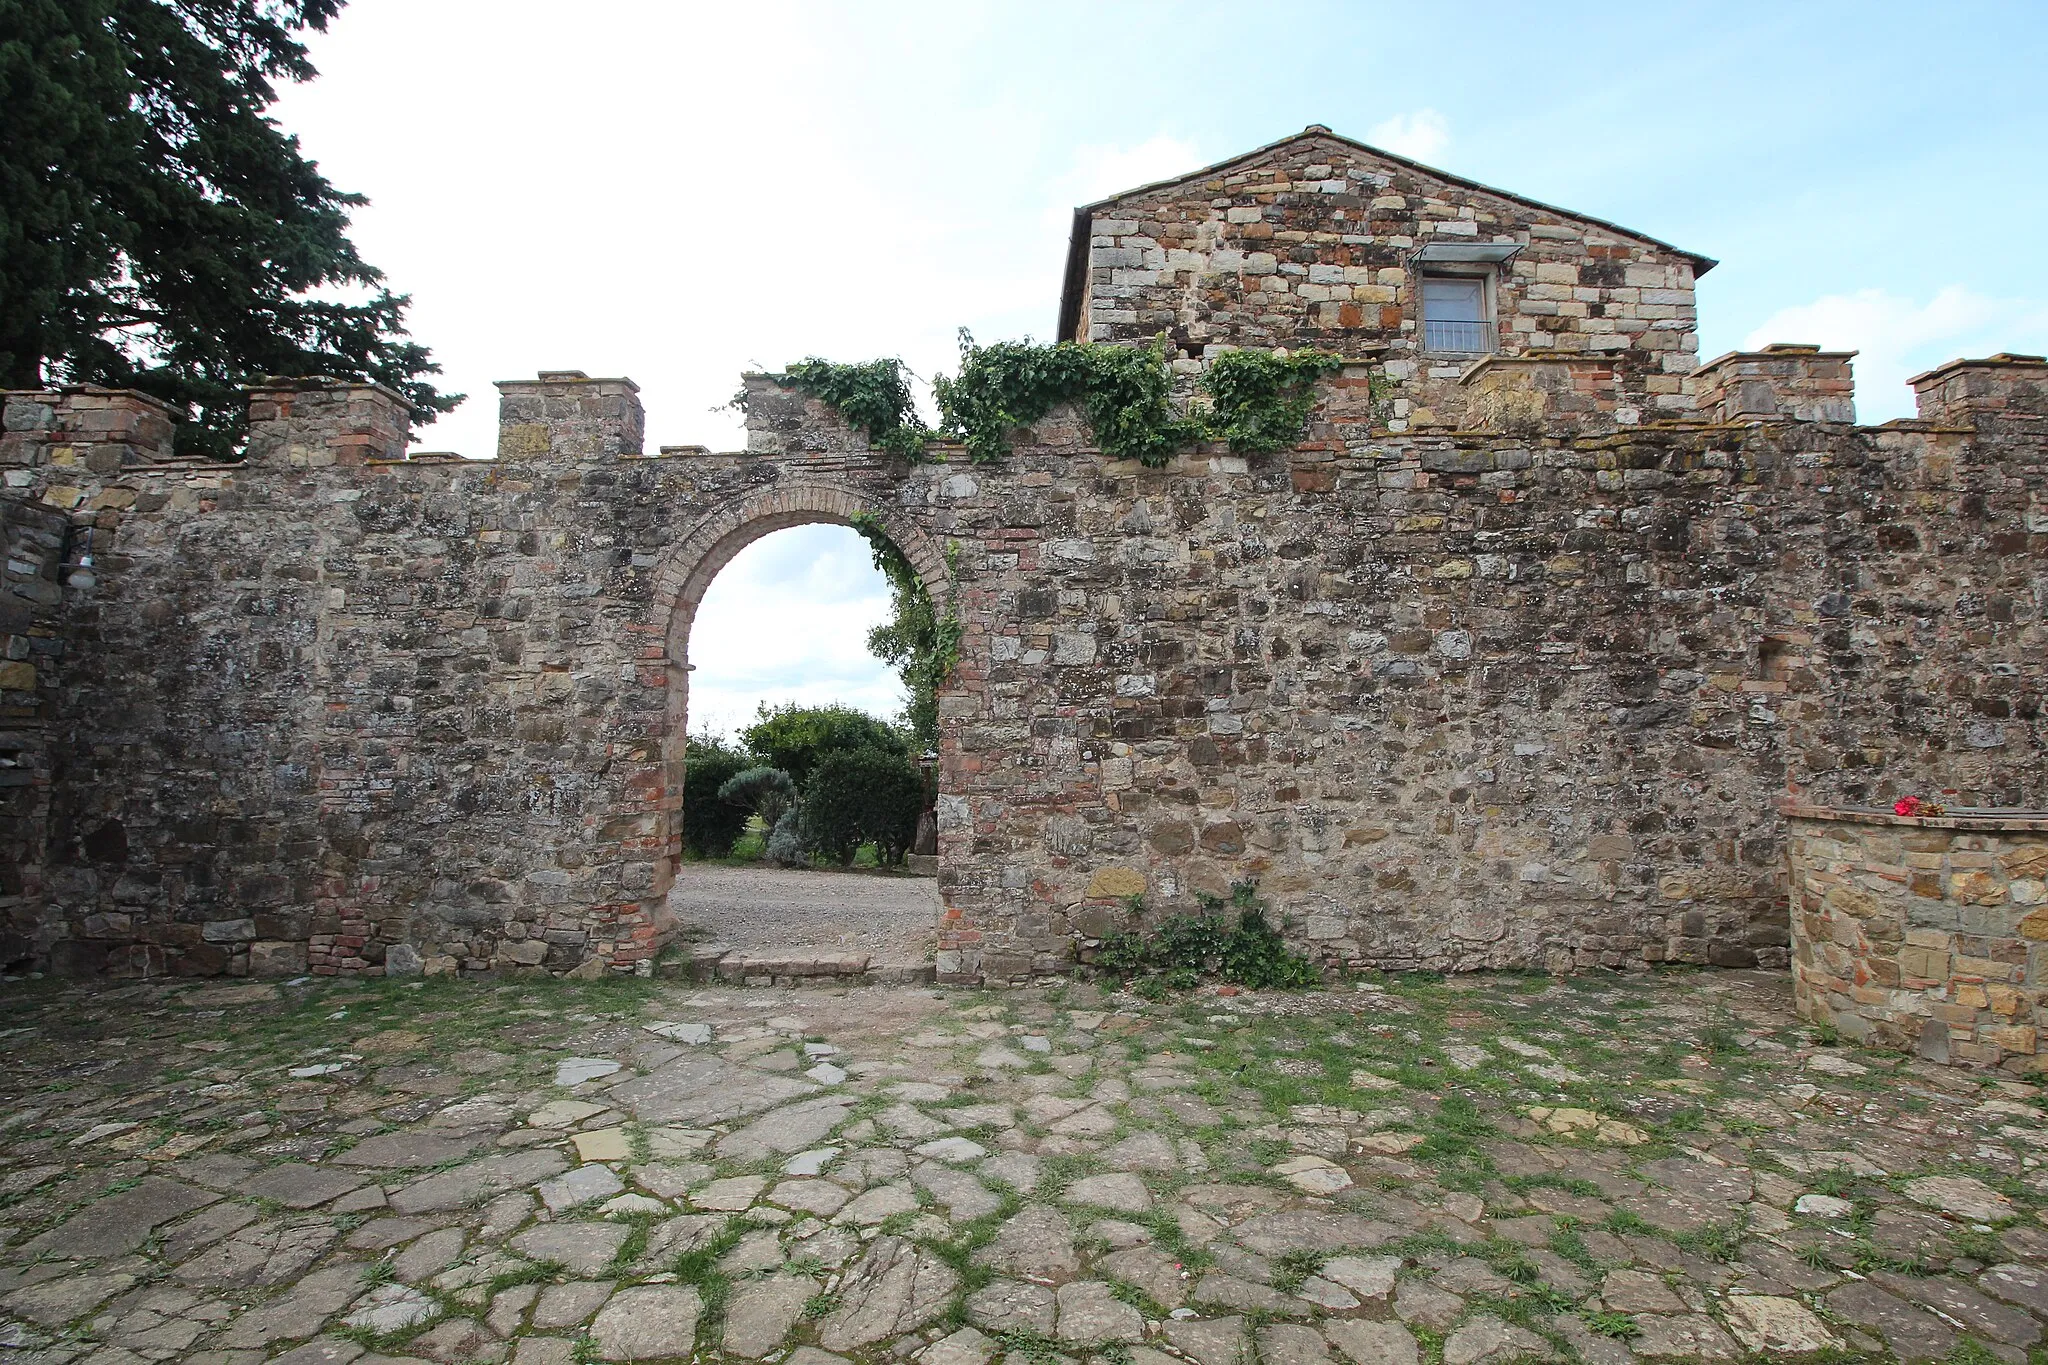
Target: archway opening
x,y
786,624
801,766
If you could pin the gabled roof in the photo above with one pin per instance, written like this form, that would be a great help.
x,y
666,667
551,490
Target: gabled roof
x,y
1076,282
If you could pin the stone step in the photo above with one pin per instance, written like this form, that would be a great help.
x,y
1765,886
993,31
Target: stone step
x,y
795,967
797,962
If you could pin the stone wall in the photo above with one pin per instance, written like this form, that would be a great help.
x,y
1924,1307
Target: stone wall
x,y
1519,695
1321,241
1480,699
60,445
329,710
1923,932
33,541
1507,663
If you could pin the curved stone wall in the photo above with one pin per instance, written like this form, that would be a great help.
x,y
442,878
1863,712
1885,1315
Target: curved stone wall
x,y
1923,932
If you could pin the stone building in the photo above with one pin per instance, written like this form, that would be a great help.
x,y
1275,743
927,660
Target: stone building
x,y
1320,241
1509,662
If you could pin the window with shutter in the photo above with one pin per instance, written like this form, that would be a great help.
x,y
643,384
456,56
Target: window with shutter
x,y
1455,317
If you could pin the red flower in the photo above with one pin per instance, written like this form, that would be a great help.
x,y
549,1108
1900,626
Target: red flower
x,y
1906,805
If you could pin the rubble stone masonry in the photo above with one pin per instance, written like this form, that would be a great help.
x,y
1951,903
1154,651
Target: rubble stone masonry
x,y
1321,241
1507,663
1927,933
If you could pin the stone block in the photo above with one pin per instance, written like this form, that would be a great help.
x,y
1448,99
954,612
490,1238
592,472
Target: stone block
x,y
273,957
1115,883
567,415
526,952
2026,860
1778,383
2012,1038
1962,391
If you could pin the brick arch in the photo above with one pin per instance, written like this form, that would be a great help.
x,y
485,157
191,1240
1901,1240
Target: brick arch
x,y
686,574
709,545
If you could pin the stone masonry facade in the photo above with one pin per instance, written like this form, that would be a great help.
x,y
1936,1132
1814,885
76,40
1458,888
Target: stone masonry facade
x,y
1320,241
1508,663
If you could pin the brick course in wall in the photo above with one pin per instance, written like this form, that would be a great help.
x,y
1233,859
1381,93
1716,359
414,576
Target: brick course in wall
x,y
1514,675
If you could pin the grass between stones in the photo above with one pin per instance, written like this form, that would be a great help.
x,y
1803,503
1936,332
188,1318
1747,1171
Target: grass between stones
x,y
1255,1064
699,1266
1606,1322
958,1251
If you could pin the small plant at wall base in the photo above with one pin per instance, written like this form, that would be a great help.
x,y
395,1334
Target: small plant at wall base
x,y
1246,951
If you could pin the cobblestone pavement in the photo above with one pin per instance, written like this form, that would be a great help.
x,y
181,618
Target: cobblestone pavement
x,y
1476,1170
892,917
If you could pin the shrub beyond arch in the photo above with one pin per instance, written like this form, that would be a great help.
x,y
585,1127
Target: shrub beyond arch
x,y
710,825
797,738
858,795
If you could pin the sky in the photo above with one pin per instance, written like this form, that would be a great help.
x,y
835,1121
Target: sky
x,y
788,620
677,191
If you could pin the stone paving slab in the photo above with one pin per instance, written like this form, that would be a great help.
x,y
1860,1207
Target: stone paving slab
x,y
1660,1167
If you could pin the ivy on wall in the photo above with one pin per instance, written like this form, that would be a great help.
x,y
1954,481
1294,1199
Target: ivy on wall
x,y
1125,392
916,640
1255,401
874,397
1260,401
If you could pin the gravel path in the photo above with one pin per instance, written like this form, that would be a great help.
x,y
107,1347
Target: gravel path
x,y
889,917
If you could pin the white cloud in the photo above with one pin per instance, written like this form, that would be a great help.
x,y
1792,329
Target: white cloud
x,y
1896,338
654,194
1421,134
788,620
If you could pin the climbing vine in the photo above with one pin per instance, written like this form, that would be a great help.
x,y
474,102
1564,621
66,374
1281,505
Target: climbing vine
x,y
922,645
1126,392
874,397
1255,401
1261,401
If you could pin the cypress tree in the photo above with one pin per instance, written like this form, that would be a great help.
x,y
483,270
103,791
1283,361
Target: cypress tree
x,y
159,231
